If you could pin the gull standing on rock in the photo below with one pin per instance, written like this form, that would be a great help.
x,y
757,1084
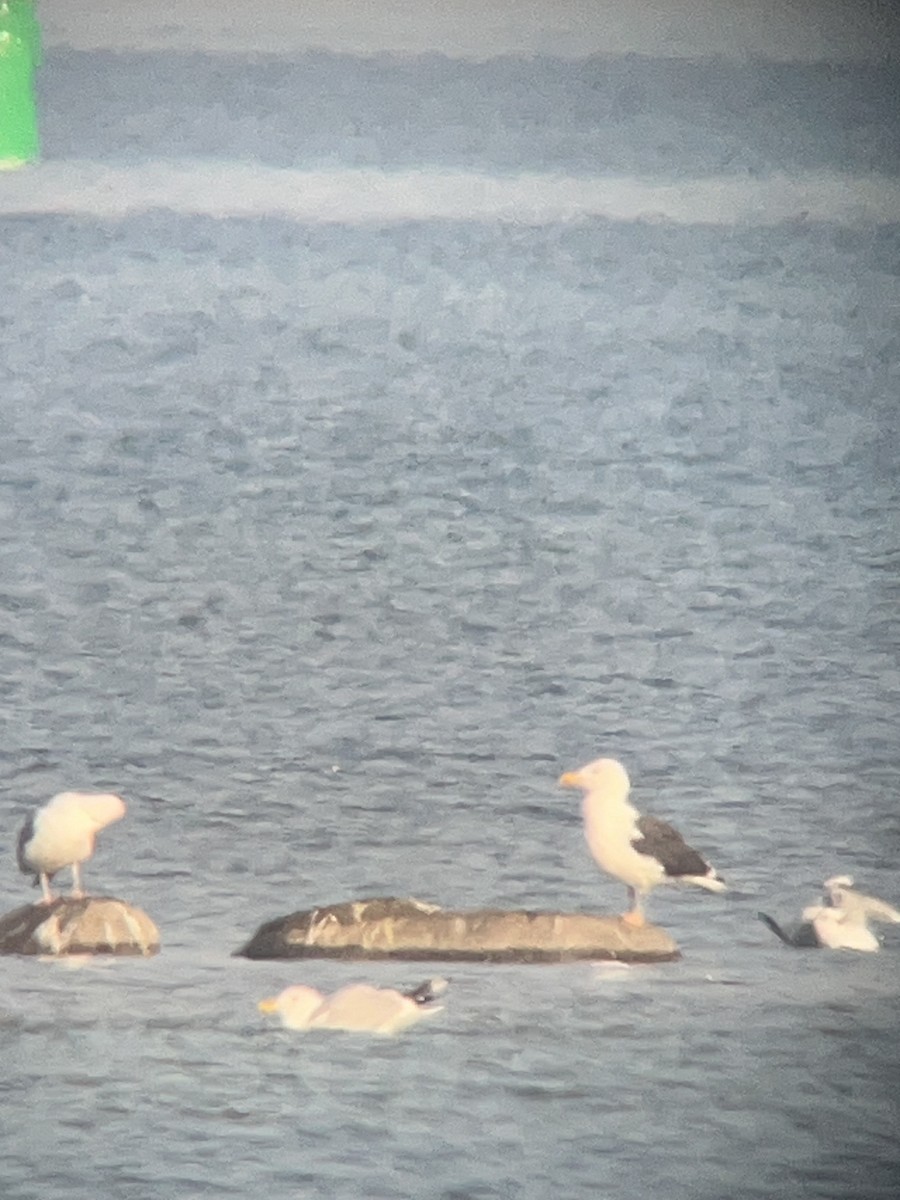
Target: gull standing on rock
x,y
61,834
641,851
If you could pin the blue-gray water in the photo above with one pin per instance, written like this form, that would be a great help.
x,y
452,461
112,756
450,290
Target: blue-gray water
x,y
330,547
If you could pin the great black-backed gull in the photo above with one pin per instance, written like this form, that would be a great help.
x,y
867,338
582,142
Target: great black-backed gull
x,y
61,834
359,1007
840,921
843,922
641,851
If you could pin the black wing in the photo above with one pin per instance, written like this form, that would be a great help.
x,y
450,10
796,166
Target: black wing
x,y
802,936
662,842
428,991
776,928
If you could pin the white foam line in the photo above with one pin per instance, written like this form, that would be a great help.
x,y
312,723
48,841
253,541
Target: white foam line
x,y
227,189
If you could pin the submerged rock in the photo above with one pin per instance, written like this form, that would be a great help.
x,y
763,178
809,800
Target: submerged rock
x,y
92,925
413,930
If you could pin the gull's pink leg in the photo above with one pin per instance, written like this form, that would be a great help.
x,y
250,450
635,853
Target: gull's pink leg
x,y
635,915
77,891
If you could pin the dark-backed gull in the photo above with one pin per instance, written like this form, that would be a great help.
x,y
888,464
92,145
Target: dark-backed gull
x,y
641,851
839,922
842,923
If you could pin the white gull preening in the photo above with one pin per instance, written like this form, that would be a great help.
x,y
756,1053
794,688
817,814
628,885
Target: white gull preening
x,y
61,834
840,893
359,1007
641,851
842,923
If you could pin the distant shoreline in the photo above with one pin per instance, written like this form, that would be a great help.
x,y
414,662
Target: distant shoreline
x,y
801,31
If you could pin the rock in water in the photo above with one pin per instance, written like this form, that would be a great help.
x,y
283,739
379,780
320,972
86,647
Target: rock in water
x,y
91,925
415,931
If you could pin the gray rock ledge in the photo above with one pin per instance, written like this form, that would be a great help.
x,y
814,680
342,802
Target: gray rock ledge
x,y
93,925
390,928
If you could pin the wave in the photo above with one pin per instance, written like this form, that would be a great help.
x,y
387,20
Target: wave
x,y
357,196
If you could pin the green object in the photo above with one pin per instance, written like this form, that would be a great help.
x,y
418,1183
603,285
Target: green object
x,y
20,54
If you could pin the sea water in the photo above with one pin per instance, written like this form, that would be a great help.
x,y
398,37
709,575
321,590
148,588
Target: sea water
x,y
331,544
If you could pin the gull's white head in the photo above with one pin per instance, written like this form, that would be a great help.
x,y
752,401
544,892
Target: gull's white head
x,y
295,1005
88,810
604,775
861,907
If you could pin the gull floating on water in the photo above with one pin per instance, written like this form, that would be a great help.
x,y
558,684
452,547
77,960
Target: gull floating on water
x,y
841,922
641,851
359,1007
61,834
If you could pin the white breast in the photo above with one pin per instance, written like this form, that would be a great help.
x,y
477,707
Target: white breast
x,y
55,845
839,931
609,829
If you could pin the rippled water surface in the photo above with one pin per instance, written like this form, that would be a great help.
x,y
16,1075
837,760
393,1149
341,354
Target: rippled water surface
x,y
330,550
331,547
